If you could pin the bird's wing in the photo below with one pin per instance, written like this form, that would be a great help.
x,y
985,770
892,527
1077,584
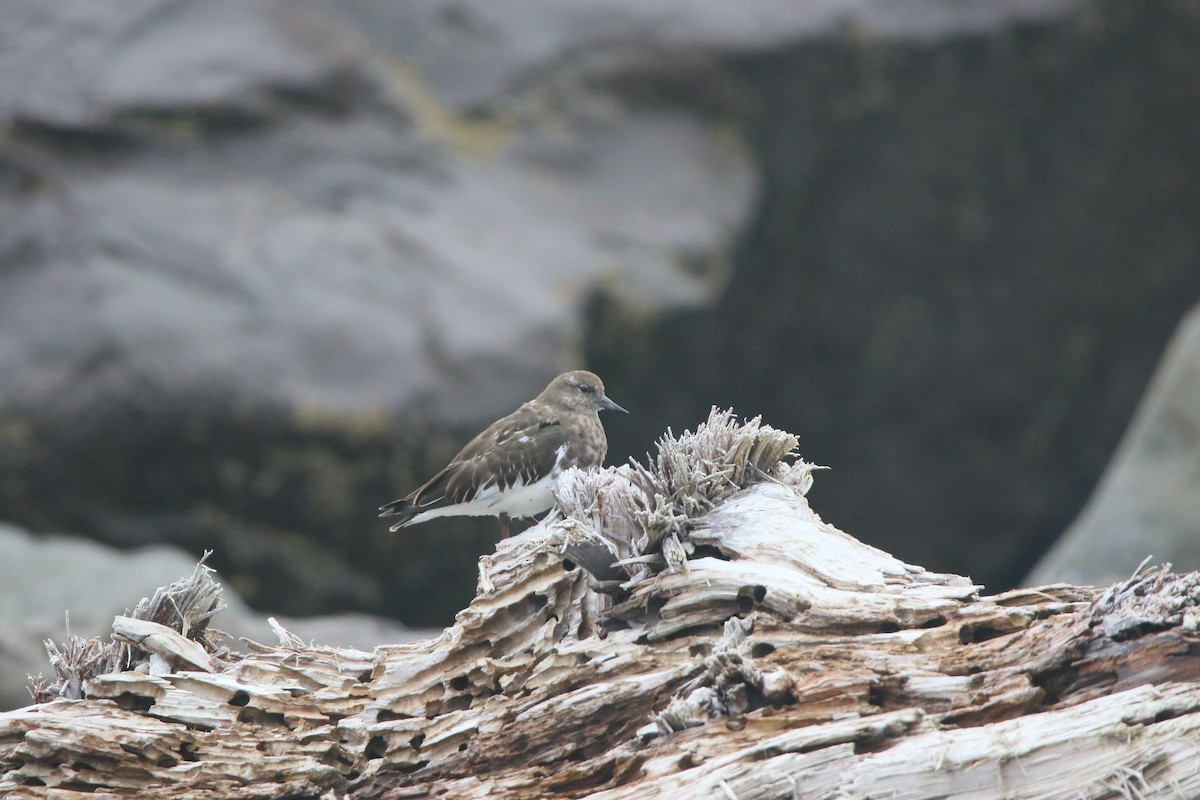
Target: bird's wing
x,y
517,450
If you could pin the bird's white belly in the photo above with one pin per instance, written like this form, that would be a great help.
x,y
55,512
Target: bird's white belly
x,y
520,501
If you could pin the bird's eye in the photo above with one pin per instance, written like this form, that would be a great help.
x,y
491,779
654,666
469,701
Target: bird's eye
x,y
586,389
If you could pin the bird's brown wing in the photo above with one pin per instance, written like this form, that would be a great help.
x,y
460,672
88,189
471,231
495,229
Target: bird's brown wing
x,y
517,450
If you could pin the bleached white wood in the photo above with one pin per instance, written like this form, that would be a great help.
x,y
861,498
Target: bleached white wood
x,y
780,658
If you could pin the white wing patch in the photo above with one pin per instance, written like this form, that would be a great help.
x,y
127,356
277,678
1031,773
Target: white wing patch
x,y
517,500
522,501
489,489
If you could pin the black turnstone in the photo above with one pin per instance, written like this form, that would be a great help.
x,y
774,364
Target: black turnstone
x,y
507,470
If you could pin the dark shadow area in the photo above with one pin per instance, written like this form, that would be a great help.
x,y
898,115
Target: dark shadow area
x,y
966,263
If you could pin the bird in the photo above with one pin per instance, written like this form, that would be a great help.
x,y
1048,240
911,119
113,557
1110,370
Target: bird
x,y
508,469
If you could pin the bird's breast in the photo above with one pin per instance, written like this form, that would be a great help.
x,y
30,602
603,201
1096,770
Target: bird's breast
x,y
588,446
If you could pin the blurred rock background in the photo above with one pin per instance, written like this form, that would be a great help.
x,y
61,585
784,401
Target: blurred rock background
x,y
264,267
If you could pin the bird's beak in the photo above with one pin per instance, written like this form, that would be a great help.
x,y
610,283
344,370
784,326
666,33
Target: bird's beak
x,y
610,405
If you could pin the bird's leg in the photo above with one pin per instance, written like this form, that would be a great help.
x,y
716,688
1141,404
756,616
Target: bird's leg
x,y
504,526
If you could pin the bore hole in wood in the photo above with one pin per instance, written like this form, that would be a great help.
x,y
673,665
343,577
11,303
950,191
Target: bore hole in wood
x,y
376,747
749,595
761,649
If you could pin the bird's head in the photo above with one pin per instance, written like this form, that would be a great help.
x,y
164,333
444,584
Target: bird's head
x,y
580,391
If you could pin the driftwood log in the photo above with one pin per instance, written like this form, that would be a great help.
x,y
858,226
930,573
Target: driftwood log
x,y
684,629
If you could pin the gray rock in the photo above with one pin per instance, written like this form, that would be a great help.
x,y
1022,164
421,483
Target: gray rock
x,y
56,574
45,578
1148,501
474,53
286,211
353,207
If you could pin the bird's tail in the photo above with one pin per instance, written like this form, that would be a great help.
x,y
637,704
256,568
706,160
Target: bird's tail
x,y
404,509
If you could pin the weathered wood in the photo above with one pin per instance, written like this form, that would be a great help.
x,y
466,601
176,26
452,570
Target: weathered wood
x,y
167,648
739,647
